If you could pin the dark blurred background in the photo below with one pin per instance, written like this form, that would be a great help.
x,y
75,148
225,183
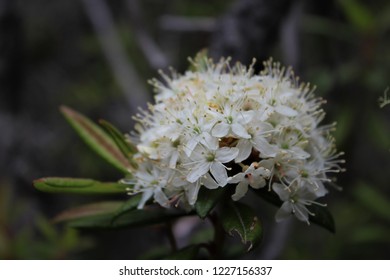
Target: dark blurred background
x,y
96,57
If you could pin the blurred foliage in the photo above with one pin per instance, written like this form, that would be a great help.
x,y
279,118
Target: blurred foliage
x,y
28,235
348,59
57,59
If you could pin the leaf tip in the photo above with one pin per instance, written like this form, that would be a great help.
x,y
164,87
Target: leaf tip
x,y
65,109
36,183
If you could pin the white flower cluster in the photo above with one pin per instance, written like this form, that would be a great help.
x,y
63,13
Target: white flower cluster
x,y
220,125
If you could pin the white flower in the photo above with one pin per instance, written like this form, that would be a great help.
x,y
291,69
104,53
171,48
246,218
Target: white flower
x,y
231,120
197,131
222,124
152,180
205,160
258,140
295,199
253,175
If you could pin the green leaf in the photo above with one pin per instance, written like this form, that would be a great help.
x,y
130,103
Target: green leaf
x,y
88,210
46,229
97,139
132,218
126,147
78,186
269,196
207,199
130,204
240,218
322,216
358,14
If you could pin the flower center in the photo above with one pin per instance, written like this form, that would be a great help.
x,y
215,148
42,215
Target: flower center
x,y
285,146
210,157
176,143
197,130
229,119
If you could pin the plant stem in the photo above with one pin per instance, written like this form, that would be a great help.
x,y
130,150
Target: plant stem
x,y
171,237
219,237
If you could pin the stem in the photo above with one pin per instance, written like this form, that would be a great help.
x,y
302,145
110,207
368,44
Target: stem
x,y
219,237
171,237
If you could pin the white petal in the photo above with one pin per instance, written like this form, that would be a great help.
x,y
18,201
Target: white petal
x,y
286,111
173,160
244,150
240,131
197,171
218,170
209,141
245,117
265,148
236,178
257,182
147,194
145,149
284,212
220,130
301,212
241,190
192,193
263,172
319,190
281,191
161,198
209,182
267,164
190,145
299,153
226,154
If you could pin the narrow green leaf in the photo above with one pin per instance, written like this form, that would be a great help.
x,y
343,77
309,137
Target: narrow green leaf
x,y
207,199
142,217
130,204
132,218
358,14
88,210
78,186
46,228
127,148
240,218
102,221
96,138
322,217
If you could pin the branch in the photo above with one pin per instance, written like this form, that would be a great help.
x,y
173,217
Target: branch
x,y
289,36
186,24
249,29
152,52
123,70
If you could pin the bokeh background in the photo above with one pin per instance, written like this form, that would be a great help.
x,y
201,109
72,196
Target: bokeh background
x,y
96,57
